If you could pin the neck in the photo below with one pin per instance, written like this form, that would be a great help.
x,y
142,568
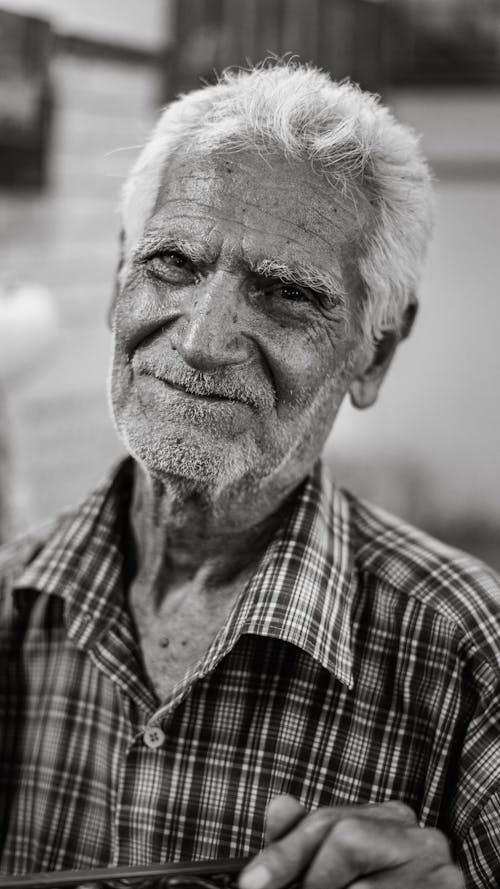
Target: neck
x,y
180,541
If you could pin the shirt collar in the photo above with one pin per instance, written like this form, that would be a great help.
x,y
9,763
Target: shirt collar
x,y
302,589
300,593
84,557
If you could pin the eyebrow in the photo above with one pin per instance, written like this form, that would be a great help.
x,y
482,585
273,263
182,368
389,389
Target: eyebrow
x,y
330,285
155,242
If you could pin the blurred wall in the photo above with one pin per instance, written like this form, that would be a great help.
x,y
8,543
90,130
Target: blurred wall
x,y
431,447
65,238
143,23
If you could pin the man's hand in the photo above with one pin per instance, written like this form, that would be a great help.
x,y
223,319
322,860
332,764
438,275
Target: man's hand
x,y
361,847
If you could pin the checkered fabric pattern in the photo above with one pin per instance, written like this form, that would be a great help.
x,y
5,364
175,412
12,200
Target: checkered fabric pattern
x,y
361,664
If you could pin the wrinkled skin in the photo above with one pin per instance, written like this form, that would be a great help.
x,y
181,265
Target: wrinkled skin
x,y
361,847
277,361
225,384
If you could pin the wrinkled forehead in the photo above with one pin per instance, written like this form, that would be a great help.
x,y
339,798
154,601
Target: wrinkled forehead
x,y
261,190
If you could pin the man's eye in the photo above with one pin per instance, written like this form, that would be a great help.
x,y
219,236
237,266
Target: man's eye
x,y
171,266
175,259
292,293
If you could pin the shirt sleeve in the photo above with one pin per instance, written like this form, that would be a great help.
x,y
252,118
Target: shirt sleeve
x,y
479,856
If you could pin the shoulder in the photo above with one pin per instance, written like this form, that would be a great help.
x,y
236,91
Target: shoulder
x,y
18,553
63,539
419,565
405,563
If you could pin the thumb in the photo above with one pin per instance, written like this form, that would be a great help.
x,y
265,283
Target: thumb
x,y
283,813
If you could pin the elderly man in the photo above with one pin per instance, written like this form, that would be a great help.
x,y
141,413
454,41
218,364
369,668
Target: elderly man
x,y
219,653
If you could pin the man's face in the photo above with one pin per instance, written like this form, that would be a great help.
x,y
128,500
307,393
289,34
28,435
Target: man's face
x,y
229,364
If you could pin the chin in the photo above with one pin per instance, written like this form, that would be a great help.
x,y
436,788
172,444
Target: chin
x,y
225,474
198,463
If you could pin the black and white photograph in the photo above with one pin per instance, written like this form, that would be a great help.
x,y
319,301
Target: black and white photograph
x,y
250,444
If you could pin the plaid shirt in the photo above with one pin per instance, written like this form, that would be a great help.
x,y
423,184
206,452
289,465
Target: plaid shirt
x,y
361,664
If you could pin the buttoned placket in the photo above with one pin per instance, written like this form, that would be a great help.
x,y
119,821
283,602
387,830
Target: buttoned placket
x,y
113,651
141,773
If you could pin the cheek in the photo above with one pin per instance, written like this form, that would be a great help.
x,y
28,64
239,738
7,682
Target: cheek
x,y
138,310
309,370
120,375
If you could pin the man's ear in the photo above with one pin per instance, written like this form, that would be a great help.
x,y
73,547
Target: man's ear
x,y
116,284
366,384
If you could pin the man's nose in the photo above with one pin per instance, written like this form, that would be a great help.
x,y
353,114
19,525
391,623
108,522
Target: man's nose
x,y
209,335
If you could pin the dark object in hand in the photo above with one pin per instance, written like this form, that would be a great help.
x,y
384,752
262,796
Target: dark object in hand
x,y
222,874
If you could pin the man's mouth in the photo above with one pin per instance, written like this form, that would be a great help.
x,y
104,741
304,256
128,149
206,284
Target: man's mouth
x,y
224,387
202,393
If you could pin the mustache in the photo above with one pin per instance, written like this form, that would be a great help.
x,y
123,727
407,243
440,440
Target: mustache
x,y
223,383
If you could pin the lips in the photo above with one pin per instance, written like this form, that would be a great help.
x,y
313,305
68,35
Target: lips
x,y
191,391
225,386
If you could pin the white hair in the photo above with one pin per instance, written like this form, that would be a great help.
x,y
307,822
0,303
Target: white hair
x,y
345,133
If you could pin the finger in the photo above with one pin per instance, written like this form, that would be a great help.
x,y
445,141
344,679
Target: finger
x,y
446,877
290,855
287,857
359,846
283,813
392,810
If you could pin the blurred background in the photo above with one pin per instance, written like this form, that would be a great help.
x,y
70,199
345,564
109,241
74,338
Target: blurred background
x,y
80,84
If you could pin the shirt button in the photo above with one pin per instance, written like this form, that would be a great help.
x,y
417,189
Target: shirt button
x,y
153,737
